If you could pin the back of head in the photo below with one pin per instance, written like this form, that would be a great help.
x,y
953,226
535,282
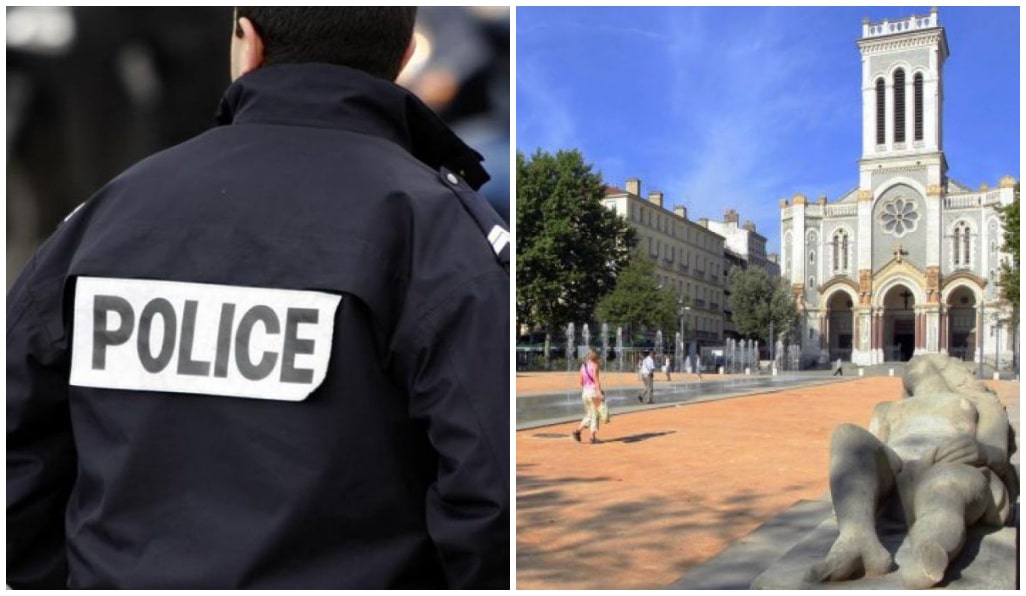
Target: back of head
x,y
368,38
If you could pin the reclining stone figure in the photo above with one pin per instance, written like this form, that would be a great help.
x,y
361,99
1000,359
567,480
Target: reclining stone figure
x,y
937,459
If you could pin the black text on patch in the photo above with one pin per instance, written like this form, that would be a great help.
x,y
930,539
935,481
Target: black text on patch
x,y
209,339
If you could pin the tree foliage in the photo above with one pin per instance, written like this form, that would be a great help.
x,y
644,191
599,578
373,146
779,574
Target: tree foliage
x,y
1010,271
638,302
756,299
569,247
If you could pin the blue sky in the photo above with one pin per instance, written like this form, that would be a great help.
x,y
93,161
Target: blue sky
x,y
739,107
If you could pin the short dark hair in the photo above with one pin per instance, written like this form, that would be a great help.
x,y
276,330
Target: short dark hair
x,y
372,38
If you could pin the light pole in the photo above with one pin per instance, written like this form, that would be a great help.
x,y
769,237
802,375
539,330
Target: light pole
x,y
997,344
980,337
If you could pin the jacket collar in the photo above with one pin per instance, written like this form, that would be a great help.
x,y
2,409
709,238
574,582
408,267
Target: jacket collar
x,y
330,96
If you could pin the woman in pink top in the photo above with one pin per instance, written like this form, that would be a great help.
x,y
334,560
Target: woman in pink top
x,y
591,396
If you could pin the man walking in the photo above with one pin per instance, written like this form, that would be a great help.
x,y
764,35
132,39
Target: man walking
x,y
647,371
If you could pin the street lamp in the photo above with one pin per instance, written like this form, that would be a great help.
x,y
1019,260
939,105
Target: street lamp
x,y
997,343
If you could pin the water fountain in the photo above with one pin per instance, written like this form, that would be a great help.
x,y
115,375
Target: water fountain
x,y
605,344
586,339
619,346
570,347
678,343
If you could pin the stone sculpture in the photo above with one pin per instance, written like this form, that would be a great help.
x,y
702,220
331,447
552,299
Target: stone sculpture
x,y
937,460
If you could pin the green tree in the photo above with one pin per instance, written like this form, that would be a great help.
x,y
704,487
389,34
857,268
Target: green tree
x,y
569,246
757,299
1010,271
638,302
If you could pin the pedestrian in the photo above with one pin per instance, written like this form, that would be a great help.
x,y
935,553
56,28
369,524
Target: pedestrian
x,y
839,371
276,355
592,397
647,370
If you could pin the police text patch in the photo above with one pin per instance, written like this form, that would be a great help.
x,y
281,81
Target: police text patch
x,y
209,339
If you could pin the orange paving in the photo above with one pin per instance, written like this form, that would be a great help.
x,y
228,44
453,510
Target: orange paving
x,y
670,488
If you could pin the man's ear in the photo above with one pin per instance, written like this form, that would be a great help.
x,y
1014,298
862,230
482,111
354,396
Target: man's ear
x,y
410,49
250,52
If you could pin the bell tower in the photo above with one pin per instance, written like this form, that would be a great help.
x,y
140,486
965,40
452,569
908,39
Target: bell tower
x,y
902,90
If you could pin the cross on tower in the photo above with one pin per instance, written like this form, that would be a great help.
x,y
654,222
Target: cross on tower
x,y
898,252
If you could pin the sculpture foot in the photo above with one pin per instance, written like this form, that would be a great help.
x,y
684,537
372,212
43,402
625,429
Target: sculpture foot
x,y
929,561
849,557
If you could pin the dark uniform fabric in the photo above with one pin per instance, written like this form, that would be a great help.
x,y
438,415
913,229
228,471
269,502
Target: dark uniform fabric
x,y
394,472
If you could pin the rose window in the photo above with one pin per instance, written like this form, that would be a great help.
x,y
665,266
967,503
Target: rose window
x,y
899,217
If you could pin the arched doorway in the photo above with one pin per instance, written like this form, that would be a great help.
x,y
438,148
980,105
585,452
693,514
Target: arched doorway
x,y
899,324
839,326
961,323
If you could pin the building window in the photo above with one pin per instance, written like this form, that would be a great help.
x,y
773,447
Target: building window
x,y
840,246
812,257
917,85
899,216
880,112
899,106
960,245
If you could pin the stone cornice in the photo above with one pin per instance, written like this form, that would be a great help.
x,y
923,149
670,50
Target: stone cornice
x,y
902,41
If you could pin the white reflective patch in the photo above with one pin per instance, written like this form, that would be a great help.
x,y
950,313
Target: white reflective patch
x,y
209,339
499,239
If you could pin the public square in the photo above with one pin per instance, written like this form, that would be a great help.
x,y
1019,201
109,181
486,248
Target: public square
x,y
672,486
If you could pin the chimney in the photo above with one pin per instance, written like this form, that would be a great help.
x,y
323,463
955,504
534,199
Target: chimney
x,y
703,221
656,198
749,226
681,211
634,187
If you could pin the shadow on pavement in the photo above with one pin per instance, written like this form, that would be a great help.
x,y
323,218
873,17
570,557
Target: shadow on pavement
x,y
639,438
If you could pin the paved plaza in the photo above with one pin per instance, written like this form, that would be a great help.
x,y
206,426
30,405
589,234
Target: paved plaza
x,y
670,487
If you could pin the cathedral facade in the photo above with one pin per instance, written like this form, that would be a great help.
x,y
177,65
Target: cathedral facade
x,y
907,262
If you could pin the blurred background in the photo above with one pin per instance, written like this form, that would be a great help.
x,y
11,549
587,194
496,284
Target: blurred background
x,y
90,91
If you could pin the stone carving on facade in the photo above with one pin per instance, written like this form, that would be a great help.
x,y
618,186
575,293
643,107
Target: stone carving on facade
x,y
865,195
937,460
865,286
933,284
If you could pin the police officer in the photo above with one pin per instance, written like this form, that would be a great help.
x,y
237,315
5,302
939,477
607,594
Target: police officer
x,y
275,355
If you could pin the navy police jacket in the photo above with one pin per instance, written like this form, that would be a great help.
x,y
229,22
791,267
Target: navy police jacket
x,y
275,355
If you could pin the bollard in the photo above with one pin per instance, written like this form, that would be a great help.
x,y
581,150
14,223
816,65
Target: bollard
x,y
890,372
862,372
748,371
774,371
721,370
997,376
